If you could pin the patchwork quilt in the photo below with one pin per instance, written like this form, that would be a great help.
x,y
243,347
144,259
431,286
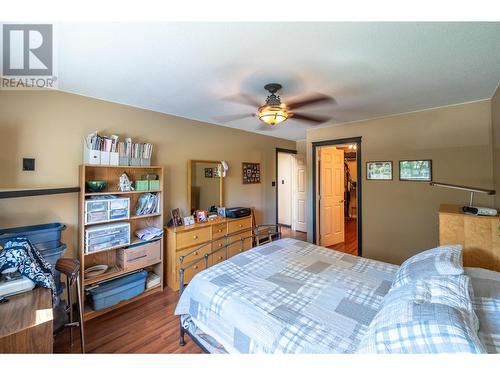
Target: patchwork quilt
x,y
287,296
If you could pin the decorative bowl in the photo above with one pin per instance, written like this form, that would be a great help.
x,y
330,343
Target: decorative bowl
x,y
95,270
96,186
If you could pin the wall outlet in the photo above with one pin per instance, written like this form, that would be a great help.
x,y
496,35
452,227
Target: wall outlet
x,y
28,164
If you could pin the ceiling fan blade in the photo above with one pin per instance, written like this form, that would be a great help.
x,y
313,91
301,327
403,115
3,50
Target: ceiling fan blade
x,y
312,99
244,99
230,118
314,119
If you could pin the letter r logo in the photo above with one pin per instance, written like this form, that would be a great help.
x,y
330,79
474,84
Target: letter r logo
x,y
27,50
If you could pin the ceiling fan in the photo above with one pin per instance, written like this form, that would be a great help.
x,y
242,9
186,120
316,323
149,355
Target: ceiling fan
x,y
274,111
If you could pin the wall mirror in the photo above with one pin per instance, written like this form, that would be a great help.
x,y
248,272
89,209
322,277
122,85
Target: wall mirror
x,y
205,184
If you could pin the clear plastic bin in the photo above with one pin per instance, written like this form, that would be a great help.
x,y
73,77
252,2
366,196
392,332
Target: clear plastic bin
x,y
104,237
106,209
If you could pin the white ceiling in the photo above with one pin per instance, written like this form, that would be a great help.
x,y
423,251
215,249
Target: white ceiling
x,y
371,69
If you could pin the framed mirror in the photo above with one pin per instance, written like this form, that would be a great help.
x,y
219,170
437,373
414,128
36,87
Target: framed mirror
x,y
205,185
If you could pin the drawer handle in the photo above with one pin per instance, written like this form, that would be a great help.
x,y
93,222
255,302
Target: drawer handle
x,y
195,267
241,225
195,253
195,237
220,245
220,230
221,258
142,256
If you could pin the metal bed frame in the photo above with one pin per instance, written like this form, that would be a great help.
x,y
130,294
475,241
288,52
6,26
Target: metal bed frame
x,y
258,235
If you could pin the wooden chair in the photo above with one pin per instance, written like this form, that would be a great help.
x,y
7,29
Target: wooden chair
x,y
70,268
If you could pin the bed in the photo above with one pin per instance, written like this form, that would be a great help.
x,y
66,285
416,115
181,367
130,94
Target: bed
x,y
290,296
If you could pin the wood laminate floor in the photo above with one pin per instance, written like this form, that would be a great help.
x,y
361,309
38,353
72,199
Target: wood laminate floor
x,y
350,245
146,326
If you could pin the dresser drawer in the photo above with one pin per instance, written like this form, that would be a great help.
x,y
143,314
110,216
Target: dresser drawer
x,y
191,271
236,225
237,247
218,244
193,237
219,230
218,257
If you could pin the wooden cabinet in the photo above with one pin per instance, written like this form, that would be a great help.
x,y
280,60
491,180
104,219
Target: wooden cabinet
x,y
182,240
479,235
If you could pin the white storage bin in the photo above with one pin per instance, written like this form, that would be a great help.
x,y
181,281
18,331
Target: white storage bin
x,y
106,209
104,237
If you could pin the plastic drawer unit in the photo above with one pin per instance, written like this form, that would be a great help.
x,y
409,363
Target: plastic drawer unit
x,y
107,236
115,291
106,209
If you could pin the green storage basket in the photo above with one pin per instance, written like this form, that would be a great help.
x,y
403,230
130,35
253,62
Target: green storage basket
x,y
154,184
142,185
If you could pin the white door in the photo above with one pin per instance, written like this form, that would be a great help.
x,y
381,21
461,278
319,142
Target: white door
x,y
299,202
284,188
331,204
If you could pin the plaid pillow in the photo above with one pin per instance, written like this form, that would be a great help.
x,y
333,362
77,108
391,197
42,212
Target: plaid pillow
x,y
407,327
442,260
454,291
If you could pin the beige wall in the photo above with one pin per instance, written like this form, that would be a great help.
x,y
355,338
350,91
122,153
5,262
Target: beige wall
x,y
495,124
400,218
302,147
50,126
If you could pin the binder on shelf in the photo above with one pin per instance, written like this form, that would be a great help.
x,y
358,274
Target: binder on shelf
x,y
135,161
124,160
114,158
145,162
91,156
105,156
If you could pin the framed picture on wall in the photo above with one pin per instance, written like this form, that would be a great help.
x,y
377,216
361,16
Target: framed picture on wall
x,y
379,170
251,173
415,170
209,173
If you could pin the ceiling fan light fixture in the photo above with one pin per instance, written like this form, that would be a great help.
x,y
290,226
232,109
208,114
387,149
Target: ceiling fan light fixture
x,y
272,115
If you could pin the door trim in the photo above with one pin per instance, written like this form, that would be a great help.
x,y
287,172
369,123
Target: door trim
x,y
285,151
359,177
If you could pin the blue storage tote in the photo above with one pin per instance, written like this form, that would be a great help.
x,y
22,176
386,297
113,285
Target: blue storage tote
x,y
44,236
111,292
51,256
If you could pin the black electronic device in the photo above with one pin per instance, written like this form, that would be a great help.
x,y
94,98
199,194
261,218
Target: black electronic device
x,y
237,212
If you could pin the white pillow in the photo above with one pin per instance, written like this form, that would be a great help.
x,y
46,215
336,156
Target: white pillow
x,y
442,260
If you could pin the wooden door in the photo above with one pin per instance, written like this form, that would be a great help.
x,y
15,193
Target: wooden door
x,y
300,194
331,201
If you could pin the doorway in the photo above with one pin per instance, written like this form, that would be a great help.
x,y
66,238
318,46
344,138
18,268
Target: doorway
x,y
291,192
337,195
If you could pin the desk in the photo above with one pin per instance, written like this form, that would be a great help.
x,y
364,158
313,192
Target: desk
x,y
26,323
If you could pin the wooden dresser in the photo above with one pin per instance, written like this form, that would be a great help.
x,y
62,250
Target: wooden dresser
x,y
182,240
479,235
26,323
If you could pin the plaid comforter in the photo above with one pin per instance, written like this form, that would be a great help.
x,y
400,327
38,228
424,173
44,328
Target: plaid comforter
x,y
288,296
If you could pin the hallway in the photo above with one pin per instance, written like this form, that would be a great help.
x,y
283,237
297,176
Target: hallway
x,y
350,246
